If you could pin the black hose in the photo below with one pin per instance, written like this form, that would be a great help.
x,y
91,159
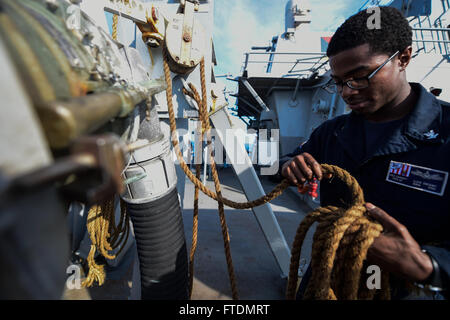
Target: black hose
x,y
161,245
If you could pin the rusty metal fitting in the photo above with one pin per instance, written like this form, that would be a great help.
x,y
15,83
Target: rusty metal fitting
x,y
187,37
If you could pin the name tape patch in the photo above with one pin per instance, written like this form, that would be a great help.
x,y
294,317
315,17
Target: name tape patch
x,y
416,177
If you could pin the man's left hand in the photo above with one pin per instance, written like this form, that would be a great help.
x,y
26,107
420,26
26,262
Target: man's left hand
x,y
395,250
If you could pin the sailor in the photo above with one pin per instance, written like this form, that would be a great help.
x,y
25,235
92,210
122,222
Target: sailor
x,y
395,142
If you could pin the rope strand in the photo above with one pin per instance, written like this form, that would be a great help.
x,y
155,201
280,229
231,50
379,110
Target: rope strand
x,y
223,223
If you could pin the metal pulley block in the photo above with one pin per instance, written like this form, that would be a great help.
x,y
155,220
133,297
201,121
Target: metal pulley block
x,y
185,40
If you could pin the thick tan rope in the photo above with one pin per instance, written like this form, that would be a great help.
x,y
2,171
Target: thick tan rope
x,y
194,233
195,216
340,245
202,105
223,224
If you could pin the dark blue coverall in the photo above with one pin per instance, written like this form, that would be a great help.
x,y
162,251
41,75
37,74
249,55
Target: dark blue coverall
x,y
405,174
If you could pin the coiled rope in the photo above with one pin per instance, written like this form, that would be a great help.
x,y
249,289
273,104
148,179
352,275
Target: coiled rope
x,y
340,245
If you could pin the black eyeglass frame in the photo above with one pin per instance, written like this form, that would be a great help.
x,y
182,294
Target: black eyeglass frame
x,y
333,87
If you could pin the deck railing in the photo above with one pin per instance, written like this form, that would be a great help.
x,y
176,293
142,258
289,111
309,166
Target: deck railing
x,y
308,62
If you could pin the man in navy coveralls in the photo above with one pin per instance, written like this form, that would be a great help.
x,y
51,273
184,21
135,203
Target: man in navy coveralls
x,y
395,142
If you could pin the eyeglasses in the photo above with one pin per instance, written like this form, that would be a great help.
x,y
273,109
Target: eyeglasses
x,y
355,83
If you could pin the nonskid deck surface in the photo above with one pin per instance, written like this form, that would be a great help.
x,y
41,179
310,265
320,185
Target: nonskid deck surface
x,y
257,273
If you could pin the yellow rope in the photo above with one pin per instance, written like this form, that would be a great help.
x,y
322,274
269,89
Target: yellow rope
x,y
115,26
96,272
105,236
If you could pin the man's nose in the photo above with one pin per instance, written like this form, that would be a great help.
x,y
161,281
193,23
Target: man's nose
x,y
346,92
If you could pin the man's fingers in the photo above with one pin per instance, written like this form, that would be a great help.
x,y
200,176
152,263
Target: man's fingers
x,y
309,166
287,173
292,173
300,163
297,172
382,217
315,166
301,168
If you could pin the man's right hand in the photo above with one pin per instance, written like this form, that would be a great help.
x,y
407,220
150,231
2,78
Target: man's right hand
x,y
301,168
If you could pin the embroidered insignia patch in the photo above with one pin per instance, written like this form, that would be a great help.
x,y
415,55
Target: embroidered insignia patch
x,y
416,177
431,135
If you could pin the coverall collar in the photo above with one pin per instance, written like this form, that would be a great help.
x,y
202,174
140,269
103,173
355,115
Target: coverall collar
x,y
425,120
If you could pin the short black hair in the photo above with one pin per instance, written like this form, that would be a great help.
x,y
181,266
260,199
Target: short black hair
x,y
394,33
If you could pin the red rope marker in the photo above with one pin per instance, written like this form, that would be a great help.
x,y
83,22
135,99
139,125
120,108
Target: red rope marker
x,y
313,188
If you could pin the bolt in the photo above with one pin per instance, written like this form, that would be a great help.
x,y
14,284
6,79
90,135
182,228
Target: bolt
x,y
88,36
95,76
112,77
52,5
76,62
187,37
154,43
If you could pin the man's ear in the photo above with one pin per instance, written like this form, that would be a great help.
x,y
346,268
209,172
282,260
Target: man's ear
x,y
405,58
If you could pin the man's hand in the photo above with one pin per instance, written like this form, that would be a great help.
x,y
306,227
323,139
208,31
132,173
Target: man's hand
x,y
301,168
395,250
